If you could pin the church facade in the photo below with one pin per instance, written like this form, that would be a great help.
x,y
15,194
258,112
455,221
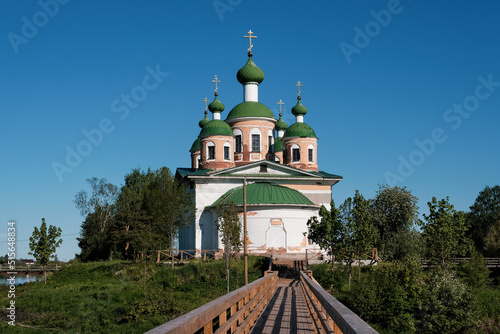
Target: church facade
x,y
279,164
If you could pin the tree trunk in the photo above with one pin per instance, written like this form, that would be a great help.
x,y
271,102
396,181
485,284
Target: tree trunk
x,y
45,274
227,271
172,250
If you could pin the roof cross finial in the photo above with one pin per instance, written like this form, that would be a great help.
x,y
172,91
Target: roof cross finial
x,y
206,101
249,36
216,80
298,84
280,103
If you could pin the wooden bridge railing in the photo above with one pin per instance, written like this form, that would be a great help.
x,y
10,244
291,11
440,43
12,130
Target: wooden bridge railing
x,y
33,268
490,262
330,314
236,310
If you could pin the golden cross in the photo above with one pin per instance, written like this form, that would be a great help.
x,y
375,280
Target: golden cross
x,y
216,81
298,85
280,103
206,101
250,39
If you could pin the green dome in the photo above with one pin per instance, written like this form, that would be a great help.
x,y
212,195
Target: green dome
x,y
250,109
299,109
196,146
264,193
281,125
204,121
216,106
278,145
250,73
216,127
300,130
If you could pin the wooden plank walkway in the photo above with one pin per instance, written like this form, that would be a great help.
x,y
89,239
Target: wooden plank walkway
x,y
286,312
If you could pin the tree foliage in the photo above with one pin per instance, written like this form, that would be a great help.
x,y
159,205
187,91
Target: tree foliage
x,y
43,244
484,215
99,209
145,214
170,207
445,305
328,232
395,213
492,240
360,234
445,233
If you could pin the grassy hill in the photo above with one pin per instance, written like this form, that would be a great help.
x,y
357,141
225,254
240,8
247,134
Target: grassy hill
x,y
118,296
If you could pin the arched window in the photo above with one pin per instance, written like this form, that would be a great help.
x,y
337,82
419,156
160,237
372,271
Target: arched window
x,y
255,140
211,151
310,153
295,153
227,151
238,145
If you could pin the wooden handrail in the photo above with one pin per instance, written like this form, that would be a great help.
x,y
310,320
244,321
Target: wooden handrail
x,y
238,309
333,315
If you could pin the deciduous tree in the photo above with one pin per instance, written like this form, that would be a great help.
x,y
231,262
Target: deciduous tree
x,y
484,213
328,232
43,244
445,233
229,226
395,213
99,209
361,235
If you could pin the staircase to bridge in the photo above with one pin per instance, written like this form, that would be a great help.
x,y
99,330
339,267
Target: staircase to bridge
x,y
286,300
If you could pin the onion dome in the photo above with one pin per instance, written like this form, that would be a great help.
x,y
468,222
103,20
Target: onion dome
x,y
216,105
216,127
250,73
300,130
299,109
281,125
250,109
204,121
196,146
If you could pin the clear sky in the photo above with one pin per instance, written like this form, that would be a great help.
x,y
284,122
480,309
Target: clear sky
x,y
399,92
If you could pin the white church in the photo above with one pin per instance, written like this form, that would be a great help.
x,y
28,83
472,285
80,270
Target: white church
x,y
279,162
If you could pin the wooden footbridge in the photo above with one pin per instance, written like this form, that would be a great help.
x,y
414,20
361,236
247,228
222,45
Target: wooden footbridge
x,y
271,304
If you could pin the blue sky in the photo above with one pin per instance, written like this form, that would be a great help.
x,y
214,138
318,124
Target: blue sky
x,y
402,92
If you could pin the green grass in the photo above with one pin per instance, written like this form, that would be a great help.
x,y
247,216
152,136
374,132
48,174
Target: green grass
x,y
118,296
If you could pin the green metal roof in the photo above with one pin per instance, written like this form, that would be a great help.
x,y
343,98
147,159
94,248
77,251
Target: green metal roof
x,y
250,109
264,193
216,127
204,121
281,125
299,109
196,146
299,130
216,106
250,73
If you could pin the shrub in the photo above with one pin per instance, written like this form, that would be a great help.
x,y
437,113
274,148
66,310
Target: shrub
x,y
446,305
